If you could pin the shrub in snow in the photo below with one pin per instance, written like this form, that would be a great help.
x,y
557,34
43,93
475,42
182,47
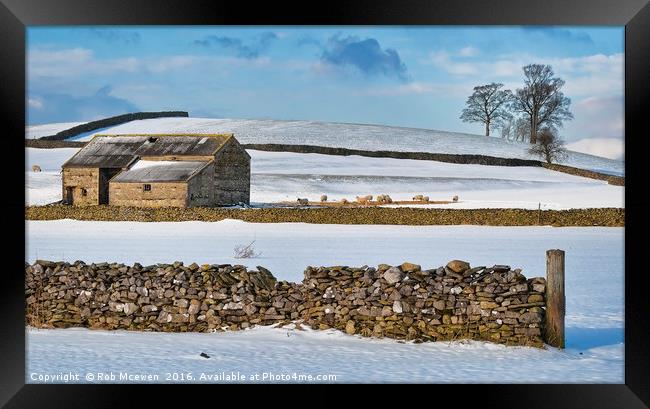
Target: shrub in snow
x,y
246,251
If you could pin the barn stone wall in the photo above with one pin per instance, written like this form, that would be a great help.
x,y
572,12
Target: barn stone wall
x,y
451,302
78,179
161,194
232,174
200,188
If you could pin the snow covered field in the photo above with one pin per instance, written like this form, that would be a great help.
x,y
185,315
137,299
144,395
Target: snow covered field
x,y
282,176
595,303
44,187
352,136
264,351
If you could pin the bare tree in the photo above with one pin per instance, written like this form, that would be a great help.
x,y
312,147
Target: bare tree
x,y
487,104
514,128
521,129
246,251
505,126
541,100
548,146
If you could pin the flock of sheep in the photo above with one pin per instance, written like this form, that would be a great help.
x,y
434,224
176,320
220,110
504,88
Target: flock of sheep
x,y
381,199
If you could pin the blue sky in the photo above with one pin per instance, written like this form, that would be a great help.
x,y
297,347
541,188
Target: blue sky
x,y
413,76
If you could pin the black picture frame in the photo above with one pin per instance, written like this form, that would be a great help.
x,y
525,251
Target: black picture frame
x,y
15,15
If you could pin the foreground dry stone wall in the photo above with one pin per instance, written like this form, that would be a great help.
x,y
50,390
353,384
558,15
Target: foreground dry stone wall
x,y
452,302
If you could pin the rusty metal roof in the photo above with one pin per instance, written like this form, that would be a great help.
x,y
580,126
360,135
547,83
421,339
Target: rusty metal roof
x,y
160,171
117,151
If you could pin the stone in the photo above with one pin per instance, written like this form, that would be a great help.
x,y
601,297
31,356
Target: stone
x,y
182,302
350,327
130,308
149,308
386,311
540,288
397,307
535,298
393,275
395,295
233,306
439,305
410,267
193,309
458,266
488,305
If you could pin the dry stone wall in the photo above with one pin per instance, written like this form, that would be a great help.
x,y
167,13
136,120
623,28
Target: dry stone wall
x,y
112,121
452,302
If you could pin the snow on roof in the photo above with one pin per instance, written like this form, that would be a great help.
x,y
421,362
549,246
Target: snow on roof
x,y
159,171
117,151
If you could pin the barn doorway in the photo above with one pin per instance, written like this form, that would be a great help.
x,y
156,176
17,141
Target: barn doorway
x,y
105,175
69,195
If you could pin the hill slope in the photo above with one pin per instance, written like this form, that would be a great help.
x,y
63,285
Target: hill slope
x,y
353,136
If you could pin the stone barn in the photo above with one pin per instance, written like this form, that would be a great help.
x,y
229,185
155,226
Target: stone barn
x,y
180,170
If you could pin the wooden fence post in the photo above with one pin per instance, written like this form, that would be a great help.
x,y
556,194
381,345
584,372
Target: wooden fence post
x,y
555,299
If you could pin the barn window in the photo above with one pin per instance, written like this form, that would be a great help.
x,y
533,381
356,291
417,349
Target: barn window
x,y
147,187
84,192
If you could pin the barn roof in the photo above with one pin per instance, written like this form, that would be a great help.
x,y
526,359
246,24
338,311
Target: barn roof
x,y
118,151
144,171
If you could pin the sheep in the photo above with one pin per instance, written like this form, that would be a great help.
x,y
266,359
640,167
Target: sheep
x,y
303,202
455,198
36,168
364,199
425,198
418,198
323,198
384,199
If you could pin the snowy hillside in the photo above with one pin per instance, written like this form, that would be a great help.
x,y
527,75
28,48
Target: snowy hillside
x,y
594,301
283,176
352,136
38,131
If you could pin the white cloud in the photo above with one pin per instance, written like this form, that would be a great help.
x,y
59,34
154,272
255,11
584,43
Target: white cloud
x,y
585,76
71,55
417,88
171,63
35,103
468,51
611,148
443,60
74,62
597,117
